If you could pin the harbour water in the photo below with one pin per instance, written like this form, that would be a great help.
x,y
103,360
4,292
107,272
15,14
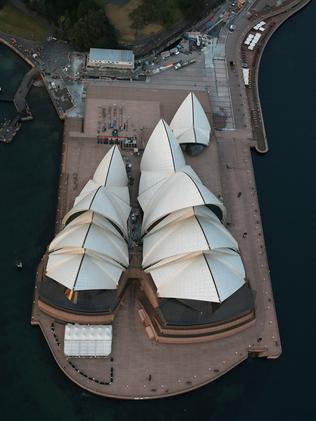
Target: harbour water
x,y
31,383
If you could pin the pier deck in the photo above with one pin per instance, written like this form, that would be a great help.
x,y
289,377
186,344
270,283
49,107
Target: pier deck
x,y
22,92
9,129
143,368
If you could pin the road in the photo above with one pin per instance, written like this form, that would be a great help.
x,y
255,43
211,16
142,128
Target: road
x,y
247,100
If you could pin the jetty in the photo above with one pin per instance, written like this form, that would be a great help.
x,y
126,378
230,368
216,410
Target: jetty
x,y
10,127
19,99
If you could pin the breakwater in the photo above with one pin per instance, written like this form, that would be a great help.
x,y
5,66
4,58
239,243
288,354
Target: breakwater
x,y
10,127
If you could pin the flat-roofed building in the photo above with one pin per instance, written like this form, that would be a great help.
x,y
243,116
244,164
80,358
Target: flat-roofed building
x,y
100,58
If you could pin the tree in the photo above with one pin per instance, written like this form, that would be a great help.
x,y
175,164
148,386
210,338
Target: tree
x,y
92,30
165,12
82,22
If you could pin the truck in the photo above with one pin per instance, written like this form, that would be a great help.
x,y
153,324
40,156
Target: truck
x,y
183,63
174,51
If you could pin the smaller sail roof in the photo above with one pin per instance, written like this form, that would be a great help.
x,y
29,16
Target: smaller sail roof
x,y
190,123
80,269
149,179
207,276
121,192
161,159
95,218
162,152
104,202
146,196
111,171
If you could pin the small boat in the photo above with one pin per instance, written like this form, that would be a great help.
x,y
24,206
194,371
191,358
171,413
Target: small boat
x,y
18,264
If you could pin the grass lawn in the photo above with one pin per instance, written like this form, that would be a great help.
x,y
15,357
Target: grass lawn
x,y
15,22
119,17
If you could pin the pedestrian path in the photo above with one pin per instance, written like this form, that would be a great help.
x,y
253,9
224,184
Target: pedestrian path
x,y
219,92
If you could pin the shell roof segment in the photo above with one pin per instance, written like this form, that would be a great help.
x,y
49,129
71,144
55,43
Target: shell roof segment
x,y
93,236
162,151
186,249
80,269
105,203
190,123
178,192
111,171
90,252
198,231
207,276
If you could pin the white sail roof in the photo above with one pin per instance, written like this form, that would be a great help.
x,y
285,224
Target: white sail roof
x,y
209,276
90,252
151,191
150,179
111,170
95,218
190,123
162,152
162,156
80,269
183,237
107,194
177,192
121,192
199,231
104,202
95,235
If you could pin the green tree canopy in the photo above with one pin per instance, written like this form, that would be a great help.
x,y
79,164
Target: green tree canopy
x,y
166,12
92,30
82,22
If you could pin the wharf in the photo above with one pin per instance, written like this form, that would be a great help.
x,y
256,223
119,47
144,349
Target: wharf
x,y
19,99
10,128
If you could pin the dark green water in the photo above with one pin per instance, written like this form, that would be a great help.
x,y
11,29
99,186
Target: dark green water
x,y
31,383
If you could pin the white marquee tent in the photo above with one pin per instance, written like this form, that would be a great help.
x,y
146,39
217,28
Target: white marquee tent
x,y
87,340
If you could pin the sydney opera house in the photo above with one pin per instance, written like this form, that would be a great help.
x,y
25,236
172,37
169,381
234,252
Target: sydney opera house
x,y
170,264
